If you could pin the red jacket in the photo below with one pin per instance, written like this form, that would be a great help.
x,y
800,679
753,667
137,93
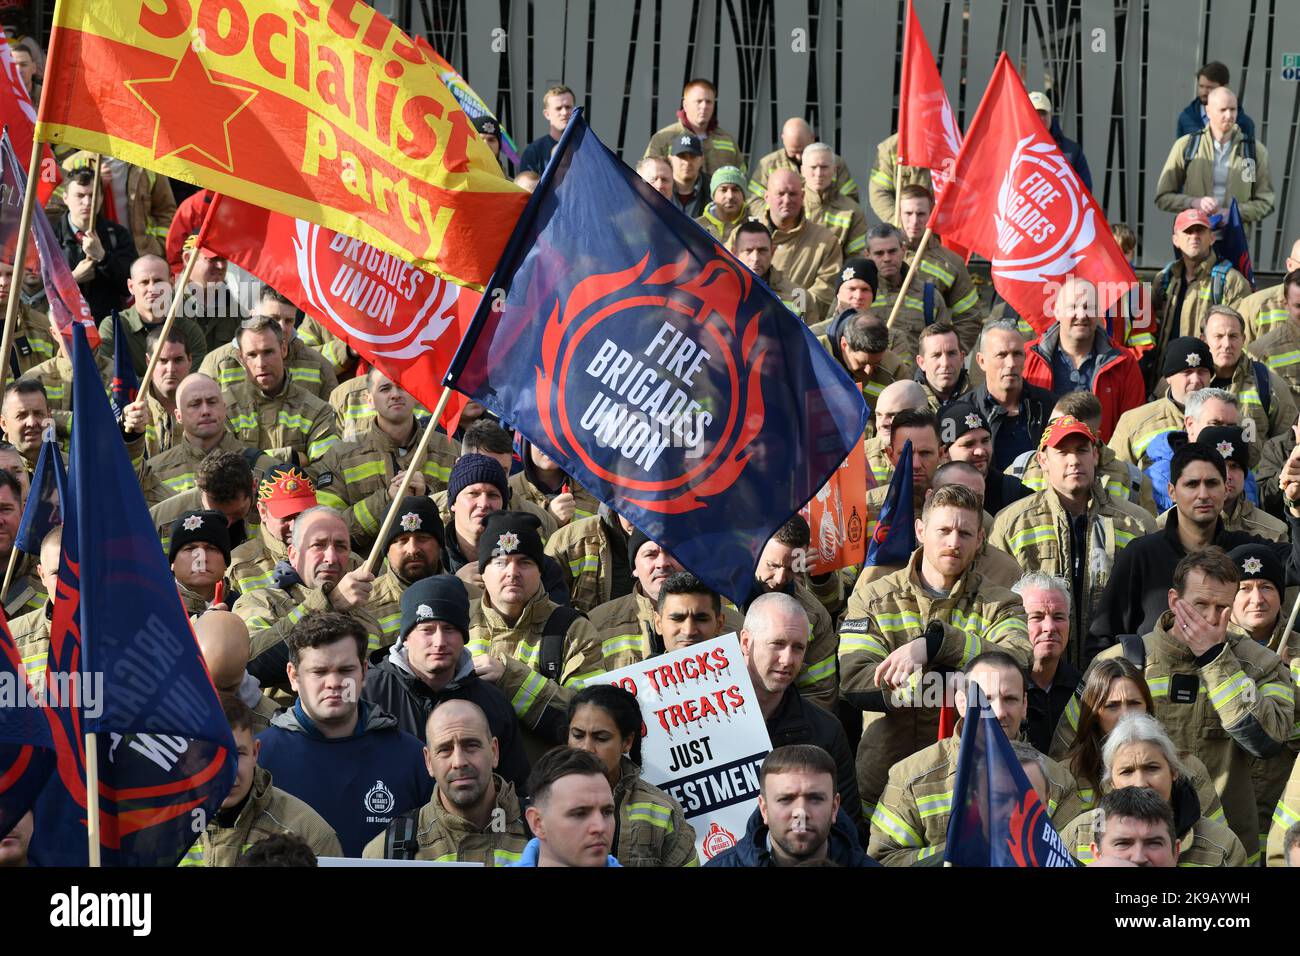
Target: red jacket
x,y
1117,381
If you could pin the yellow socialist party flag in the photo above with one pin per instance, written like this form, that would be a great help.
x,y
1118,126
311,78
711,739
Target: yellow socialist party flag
x,y
322,111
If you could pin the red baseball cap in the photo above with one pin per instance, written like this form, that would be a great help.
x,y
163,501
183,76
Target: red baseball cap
x,y
1060,429
1189,218
287,492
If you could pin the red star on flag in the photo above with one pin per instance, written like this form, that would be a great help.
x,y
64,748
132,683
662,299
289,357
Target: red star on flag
x,y
192,109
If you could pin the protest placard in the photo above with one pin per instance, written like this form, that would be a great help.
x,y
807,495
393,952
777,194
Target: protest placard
x,y
703,738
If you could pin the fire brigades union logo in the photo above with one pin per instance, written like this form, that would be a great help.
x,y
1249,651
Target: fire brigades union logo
x,y
1044,221
717,840
651,377
395,308
379,799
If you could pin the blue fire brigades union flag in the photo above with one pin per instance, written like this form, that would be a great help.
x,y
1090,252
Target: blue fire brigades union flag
x,y
1233,243
26,751
894,538
997,817
663,375
43,510
166,755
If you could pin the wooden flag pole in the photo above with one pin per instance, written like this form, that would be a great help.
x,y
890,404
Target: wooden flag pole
x,y
92,797
178,295
20,257
417,460
1290,621
9,574
94,192
911,271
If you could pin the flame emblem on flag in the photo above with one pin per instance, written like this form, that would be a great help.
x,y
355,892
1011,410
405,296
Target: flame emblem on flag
x,y
630,306
1035,245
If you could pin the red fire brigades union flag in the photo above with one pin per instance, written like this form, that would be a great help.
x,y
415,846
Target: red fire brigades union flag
x,y
1015,199
927,130
401,319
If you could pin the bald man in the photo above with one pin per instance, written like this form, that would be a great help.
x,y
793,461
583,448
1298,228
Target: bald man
x,y
895,397
224,644
473,815
808,255
201,414
1208,169
150,285
795,135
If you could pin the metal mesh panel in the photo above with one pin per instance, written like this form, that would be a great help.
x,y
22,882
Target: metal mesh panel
x,y
1118,73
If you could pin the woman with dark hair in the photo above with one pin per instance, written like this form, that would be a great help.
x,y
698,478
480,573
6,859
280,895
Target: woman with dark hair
x,y
650,829
1115,688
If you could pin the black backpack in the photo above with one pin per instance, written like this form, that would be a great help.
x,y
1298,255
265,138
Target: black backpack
x,y
550,661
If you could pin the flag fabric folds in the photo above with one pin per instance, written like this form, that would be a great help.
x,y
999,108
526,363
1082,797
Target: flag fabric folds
x,y
894,538
469,101
166,754
44,508
1016,200
997,816
18,113
125,386
658,371
927,129
26,751
400,319
1233,244
325,113
67,306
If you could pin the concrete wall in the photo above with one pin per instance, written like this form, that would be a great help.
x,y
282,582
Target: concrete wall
x,y
1119,73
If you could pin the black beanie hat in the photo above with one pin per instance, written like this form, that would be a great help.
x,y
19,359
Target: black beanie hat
x,y
442,597
859,268
1258,562
417,513
208,526
510,532
959,417
1186,352
635,539
474,469
1229,441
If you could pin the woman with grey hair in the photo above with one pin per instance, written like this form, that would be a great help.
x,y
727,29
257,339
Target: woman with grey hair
x,y
1139,753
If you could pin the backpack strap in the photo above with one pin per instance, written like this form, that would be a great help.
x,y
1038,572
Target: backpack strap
x,y
1219,280
550,661
1135,651
399,839
1160,288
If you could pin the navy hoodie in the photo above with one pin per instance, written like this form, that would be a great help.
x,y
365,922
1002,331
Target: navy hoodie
x,y
753,850
358,783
